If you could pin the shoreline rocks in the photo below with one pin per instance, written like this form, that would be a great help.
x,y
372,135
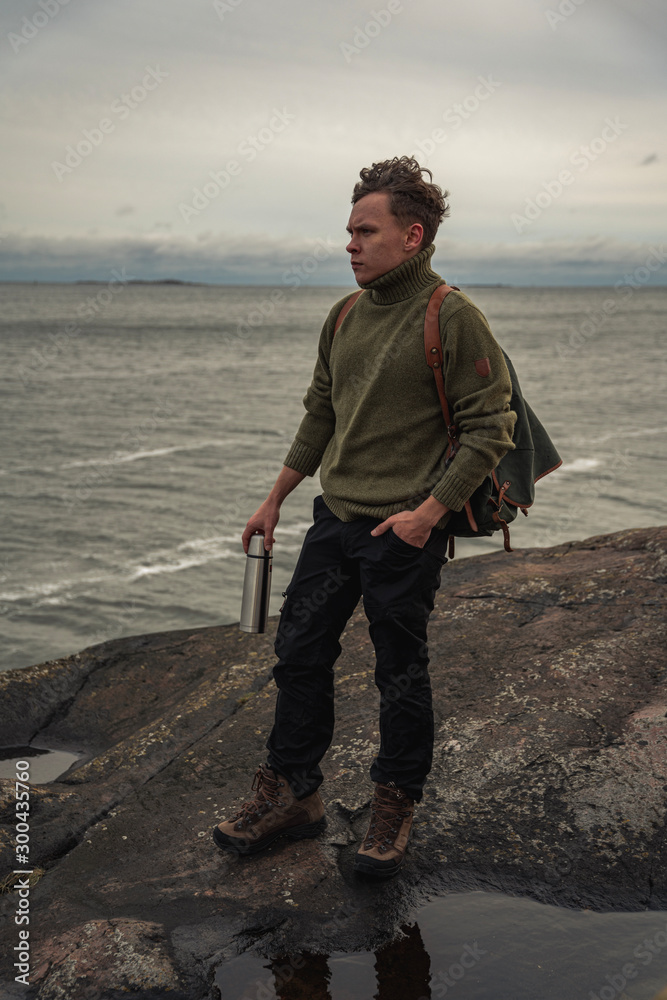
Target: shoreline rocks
x,y
549,778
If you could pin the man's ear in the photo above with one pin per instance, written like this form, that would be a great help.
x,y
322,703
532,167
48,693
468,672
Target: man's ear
x,y
414,236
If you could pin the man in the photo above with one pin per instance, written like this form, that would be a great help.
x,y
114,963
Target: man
x,y
374,425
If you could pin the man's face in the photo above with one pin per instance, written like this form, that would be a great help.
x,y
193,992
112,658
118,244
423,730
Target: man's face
x,y
378,241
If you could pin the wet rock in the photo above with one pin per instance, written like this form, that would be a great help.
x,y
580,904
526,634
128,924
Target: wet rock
x,y
549,776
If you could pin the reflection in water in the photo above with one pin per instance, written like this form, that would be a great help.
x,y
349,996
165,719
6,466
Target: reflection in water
x,y
476,945
302,977
402,970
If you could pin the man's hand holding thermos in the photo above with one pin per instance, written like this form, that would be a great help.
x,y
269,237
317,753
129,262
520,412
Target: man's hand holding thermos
x,y
258,546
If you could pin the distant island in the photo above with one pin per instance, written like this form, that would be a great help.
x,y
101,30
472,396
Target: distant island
x,y
141,281
208,284
240,284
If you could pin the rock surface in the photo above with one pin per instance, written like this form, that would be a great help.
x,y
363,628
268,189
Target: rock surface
x,y
549,777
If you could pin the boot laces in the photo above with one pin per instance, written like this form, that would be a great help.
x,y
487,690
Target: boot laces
x,y
387,815
268,796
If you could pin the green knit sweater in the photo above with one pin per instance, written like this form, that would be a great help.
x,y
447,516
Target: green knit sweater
x,y
373,417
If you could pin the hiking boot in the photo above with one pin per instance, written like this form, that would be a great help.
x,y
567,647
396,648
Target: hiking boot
x,y
383,849
274,812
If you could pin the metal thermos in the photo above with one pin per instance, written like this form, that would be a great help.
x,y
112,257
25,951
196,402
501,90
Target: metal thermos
x,y
256,586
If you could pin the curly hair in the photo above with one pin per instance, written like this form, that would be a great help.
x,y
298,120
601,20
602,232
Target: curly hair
x,y
411,197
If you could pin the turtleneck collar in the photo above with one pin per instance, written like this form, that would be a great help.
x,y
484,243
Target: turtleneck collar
x,y
405,280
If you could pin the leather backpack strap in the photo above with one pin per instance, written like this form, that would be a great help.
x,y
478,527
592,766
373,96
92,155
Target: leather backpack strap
x,y
434,358
346,308
435,361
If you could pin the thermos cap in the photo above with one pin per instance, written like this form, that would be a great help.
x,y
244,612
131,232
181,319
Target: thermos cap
x,y
256,546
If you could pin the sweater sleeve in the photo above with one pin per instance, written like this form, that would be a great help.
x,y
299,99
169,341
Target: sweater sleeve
x,y
317,426
478,389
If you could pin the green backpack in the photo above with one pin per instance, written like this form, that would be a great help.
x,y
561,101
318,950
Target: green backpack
x,y
510,487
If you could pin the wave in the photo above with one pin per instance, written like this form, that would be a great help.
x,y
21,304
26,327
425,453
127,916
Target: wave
x,y
187,555
299,528
579,465
121,457
622,435
202,543
135,456
178,565
45,591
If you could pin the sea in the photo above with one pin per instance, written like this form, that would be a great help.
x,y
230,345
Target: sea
x,y
143,424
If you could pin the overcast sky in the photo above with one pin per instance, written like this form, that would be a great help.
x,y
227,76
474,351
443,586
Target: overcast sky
x,y
219,140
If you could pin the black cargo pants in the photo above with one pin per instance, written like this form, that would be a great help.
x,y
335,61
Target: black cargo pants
x,y
339,562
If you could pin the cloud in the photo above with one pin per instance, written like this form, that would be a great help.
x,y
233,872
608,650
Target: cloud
x,y
399,91
207,257
219,259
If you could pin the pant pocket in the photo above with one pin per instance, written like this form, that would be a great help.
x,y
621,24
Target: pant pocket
x,y
397,544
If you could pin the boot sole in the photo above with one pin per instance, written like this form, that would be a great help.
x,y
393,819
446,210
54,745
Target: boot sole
x,y
367,868
295,833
